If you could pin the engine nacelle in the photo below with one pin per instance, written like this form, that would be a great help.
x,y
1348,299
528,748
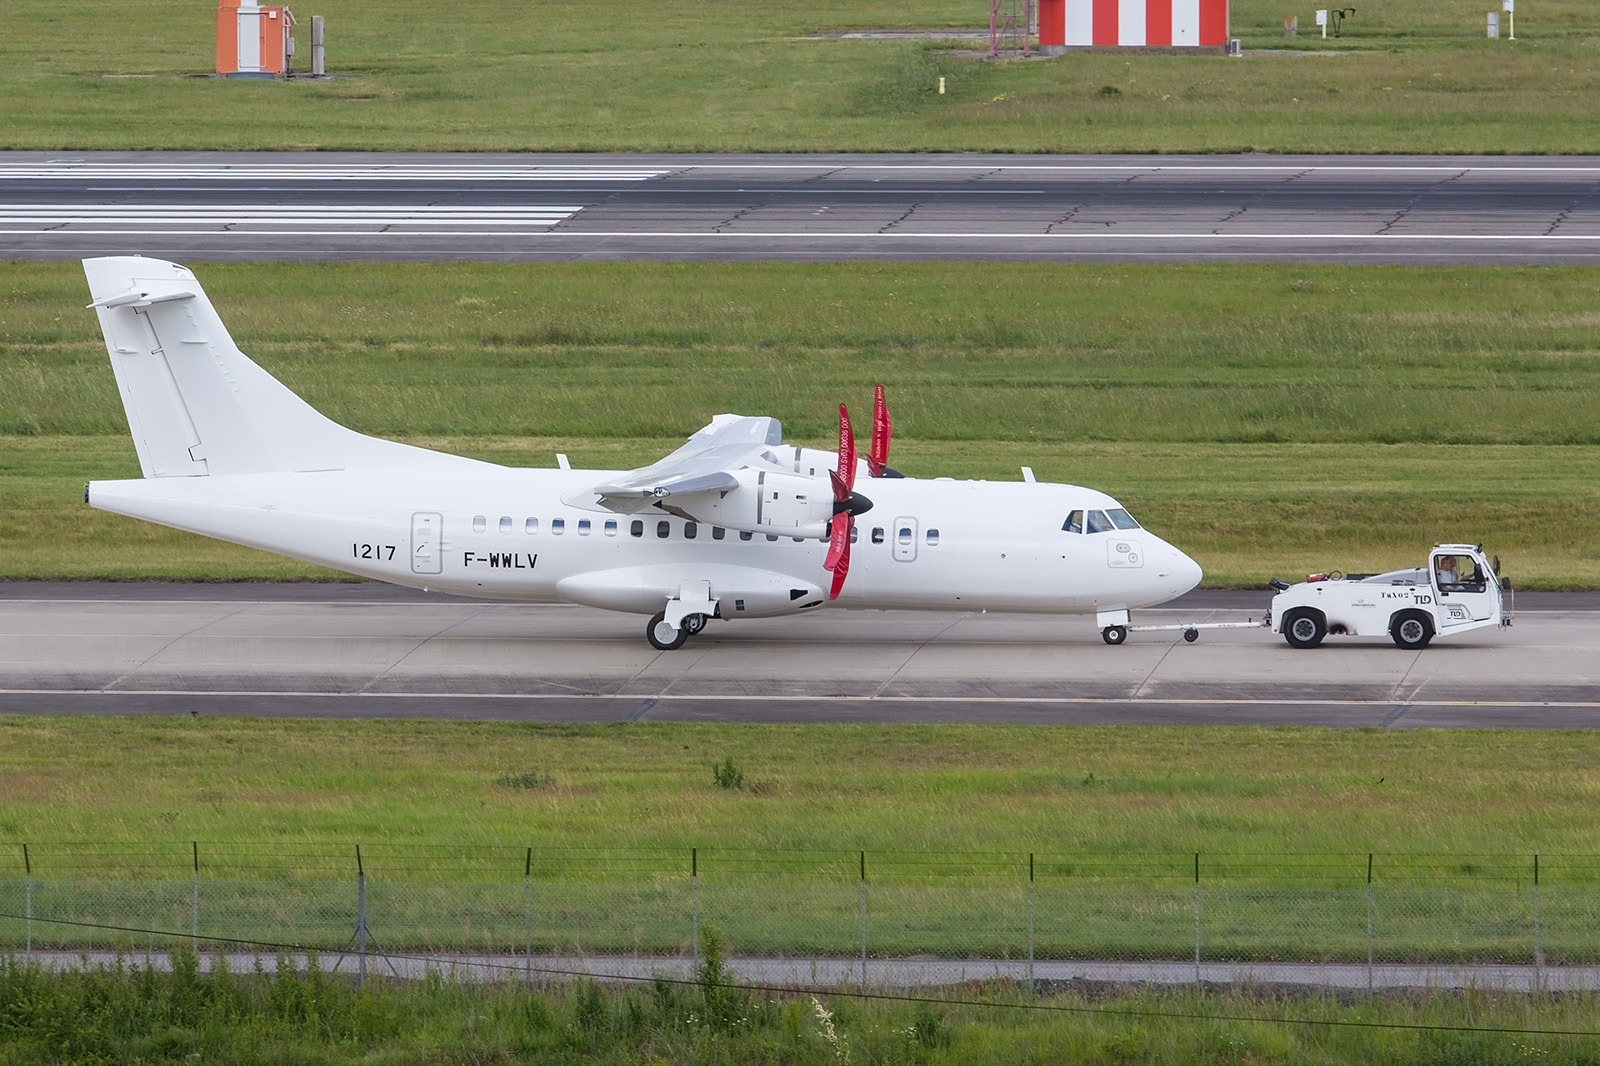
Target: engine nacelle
x,y
782,504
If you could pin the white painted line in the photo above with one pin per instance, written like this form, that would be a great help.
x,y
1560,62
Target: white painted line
x,y
1043,701
822,235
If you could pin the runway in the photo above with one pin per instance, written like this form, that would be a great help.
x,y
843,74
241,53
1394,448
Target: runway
x,y
367,651
201,206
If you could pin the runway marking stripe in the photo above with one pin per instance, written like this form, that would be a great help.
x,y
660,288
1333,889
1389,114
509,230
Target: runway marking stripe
x,y
823,235
1090,701
684,165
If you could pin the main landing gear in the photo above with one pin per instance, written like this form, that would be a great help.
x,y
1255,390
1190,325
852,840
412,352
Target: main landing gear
x,y
663,637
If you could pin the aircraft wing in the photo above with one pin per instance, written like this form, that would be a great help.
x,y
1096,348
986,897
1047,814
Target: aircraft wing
x,y
706,464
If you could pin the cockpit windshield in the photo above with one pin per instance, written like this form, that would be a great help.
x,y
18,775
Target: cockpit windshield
x,y
1111,518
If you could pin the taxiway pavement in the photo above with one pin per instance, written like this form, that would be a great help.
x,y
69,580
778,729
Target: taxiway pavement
x,y
354,651
248,206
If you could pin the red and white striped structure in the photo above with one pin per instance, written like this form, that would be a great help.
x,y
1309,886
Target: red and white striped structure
x,y
1133,23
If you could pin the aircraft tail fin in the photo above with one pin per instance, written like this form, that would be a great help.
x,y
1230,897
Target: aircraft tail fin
x,y
196,404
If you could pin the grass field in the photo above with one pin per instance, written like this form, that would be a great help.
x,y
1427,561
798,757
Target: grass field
x,y
721,75
192,1016
947,789
1270,421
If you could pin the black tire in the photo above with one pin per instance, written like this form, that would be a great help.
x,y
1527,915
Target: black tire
x,y
1304,627
1191,635
661,637
1114,635
1412,630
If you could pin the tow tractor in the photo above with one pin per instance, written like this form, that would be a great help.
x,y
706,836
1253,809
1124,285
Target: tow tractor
x,y
1457,591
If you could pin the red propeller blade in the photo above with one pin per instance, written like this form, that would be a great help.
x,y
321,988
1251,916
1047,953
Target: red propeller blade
x,y
844,478
878,454
838,559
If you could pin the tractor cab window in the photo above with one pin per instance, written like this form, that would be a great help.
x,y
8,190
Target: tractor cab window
x,y
1120,518
1457,573
1099,523
1074,522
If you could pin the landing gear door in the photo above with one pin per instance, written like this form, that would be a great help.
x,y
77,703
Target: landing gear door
x,y
905,540
426,557
1467,592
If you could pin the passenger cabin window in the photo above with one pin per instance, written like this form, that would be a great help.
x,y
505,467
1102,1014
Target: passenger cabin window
x,y
904,535
1098,522
558,526
717,532
690,531
611,527
479,523
745,534
855,535
531,526
636,528
1074,522
1120,518
505,523
877,534
583,527
663,529
772,537
933,536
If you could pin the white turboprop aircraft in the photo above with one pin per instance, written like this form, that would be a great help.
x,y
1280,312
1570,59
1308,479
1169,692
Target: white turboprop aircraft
x,y
734,524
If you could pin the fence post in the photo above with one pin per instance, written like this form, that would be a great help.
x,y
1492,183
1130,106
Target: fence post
x,y
361,919
527,917
1538,939
863,919
1370,988
1032,910
1197,918
194,926
694,905
27,906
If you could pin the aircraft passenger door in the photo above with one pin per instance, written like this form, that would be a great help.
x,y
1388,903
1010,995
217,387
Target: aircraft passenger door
x,y
426,557
905,540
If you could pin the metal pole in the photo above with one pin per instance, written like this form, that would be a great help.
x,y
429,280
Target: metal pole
x,y
1197,918
361,919
1538,942
1032,910
694,903
1370,924
863,883
527,917
194,928
27,907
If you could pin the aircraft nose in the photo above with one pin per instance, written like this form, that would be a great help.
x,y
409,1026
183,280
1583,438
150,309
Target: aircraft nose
x,y
1185,572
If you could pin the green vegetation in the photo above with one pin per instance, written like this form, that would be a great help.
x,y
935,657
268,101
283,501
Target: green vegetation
x,y
723,75
133,1015
1423,404
947,789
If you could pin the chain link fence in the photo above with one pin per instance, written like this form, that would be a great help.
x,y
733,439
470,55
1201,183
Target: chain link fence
x,y
901,917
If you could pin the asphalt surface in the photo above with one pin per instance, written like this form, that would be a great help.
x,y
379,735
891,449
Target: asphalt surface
x,y
197,206
825,975
358,651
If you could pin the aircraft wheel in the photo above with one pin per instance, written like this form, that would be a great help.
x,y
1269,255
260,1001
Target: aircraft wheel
x,y
1114,634
663,637
694,623
1304,627
1191,635
1412,630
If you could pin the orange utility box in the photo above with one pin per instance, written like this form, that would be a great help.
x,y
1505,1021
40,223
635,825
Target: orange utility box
x,y
253,41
